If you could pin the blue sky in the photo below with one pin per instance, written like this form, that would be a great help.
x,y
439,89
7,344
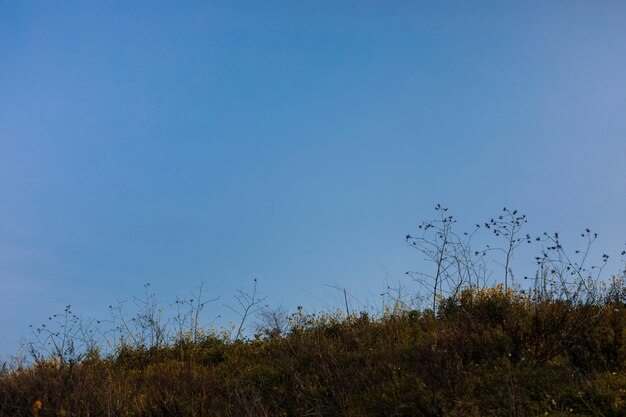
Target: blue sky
x,y
292,142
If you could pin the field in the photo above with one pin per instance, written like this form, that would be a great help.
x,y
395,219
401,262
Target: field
x,y
485,352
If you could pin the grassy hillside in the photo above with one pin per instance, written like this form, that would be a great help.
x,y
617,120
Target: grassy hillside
x,y
558,348
486,352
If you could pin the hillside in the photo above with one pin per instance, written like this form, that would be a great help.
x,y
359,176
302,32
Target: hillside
x,y
486,352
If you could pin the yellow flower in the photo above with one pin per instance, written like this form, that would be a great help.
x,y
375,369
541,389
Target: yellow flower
x,y
37,405
62,413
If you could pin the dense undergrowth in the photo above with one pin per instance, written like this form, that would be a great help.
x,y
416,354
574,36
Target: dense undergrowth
x,y
557,348
486,352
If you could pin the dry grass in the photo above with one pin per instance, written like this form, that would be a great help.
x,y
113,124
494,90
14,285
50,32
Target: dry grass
x,y
486,352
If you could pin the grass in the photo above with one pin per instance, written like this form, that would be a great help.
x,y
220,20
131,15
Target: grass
x,y
559,349
487,352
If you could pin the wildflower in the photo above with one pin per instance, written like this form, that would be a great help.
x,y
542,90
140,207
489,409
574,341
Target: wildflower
x,y
61,413
37,405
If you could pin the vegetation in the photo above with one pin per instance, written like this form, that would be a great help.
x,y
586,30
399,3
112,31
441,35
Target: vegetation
x,y
555,348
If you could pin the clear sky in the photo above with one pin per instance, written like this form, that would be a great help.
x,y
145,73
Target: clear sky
x,y
295,142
